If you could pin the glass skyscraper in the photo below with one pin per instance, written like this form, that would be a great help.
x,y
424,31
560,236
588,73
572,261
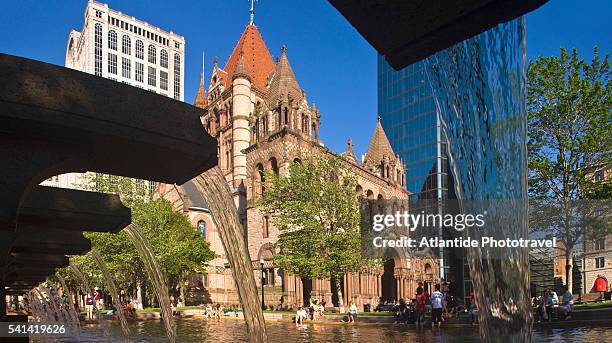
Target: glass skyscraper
x,y
408,114
409,117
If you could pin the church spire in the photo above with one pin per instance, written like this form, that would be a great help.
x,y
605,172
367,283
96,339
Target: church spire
x,y
200,98
252,11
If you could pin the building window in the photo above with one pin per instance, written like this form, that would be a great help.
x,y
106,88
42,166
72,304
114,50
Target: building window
x,y
112,63
126,45
98,49
177,76
152,54
139,72
202,228
600,262
139,49
266,227
177,45
600,244
98,14
126,68
163,80
163,58
112,40
152,76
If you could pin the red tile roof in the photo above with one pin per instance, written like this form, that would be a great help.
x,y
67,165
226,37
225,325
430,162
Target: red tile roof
x,y
257,58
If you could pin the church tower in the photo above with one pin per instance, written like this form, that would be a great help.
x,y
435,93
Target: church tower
x,y
241,111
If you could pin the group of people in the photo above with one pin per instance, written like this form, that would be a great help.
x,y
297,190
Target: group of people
x,y
315,309
94,301
548,305
414,310
216,311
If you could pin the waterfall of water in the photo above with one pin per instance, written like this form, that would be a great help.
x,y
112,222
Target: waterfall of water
x,y
479,88
74,316
83,281
110,283
155,275
87,290
218,197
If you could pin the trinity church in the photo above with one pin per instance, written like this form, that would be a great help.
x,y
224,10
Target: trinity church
x,y
263,121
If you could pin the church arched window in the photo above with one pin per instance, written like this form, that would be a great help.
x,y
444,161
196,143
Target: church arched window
x,y
202,228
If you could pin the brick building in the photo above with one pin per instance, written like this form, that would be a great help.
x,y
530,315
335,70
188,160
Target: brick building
x,y
262,119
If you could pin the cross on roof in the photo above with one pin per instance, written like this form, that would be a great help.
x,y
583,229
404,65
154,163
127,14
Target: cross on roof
x,y
252,11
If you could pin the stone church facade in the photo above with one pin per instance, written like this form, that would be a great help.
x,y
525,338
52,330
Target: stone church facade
x,y
263,121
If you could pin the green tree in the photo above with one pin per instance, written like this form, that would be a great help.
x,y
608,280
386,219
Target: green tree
x,y
568,103
316,211
177,245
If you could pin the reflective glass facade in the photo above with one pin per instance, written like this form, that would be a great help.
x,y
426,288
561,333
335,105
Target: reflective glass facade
x,y
408,115
412,124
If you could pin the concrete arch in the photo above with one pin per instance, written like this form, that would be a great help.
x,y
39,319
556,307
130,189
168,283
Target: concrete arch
x,y
266,252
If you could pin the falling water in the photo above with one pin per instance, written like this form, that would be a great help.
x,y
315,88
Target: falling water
x,y
87,290
110,283
479,87
218,197
84,284
74,316
39,306
156,276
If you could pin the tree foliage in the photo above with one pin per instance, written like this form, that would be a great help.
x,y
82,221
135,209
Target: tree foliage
x,y
177,245
570,130
316,211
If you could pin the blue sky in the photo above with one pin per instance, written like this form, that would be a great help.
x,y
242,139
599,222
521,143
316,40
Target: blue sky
x,y
332,63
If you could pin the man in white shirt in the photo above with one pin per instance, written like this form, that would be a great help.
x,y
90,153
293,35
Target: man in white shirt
x,y
437,305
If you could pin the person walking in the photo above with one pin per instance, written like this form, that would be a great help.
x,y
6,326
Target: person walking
x,y
567,303
352,315
89,304
437,306
420,307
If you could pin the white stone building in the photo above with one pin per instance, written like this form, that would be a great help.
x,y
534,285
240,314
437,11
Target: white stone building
x,y
120,47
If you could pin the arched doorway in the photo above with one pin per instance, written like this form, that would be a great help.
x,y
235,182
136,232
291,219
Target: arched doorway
x,y
389,286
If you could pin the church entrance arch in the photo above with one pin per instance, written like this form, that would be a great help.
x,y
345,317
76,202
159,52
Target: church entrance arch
x,y
389,286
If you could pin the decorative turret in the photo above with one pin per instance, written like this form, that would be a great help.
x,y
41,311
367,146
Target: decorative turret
x,y
241,111
283,83
241,70
382,160
349,154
